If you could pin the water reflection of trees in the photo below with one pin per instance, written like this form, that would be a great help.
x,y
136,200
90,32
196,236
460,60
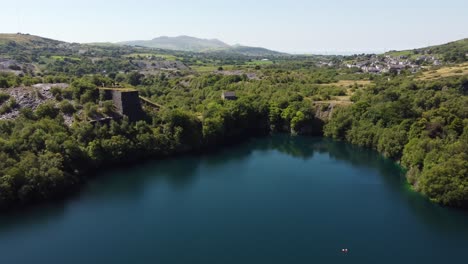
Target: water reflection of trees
x,y
33,216
443,219
305,148
128,182
179,172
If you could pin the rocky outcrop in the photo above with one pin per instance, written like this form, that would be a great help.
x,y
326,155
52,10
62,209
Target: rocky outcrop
x,y
324,110
30,97
15,67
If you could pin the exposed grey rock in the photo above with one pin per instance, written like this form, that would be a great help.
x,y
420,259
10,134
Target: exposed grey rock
x,y
32,97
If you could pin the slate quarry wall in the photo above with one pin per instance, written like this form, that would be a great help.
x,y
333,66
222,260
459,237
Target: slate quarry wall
x,y
126,102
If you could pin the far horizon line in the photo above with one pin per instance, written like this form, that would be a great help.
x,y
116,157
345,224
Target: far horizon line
x,y
316,52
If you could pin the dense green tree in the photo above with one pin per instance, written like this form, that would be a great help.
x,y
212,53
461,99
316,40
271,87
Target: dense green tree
x,y
47,110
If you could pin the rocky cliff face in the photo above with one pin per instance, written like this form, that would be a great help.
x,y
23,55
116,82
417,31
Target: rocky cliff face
x,y
324,111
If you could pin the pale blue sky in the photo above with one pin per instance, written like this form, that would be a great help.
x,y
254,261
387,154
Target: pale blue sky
x,y
292,26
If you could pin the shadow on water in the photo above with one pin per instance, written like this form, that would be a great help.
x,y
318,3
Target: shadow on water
x,y
180,173
33,217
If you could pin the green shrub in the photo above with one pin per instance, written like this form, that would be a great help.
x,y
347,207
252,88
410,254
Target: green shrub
x,y
47,109
90,110
108,107
67,108
4,97
7,107
57,93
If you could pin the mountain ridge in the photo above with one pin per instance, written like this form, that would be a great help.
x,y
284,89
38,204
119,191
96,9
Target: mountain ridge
x,y
455,51
194,44
182,42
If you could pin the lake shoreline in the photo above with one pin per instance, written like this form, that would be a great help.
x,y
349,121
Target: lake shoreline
x,y
84,177
261,201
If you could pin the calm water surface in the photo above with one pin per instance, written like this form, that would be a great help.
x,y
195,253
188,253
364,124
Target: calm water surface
x,y
271,200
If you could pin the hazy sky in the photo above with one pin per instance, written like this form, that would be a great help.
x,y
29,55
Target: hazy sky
x,y
292,26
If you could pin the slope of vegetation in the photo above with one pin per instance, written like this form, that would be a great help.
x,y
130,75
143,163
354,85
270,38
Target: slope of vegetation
x,y
448,71
42,158
451,52
420,122
424,125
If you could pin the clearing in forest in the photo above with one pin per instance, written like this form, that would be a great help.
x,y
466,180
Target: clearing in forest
x,y
348,83
453,70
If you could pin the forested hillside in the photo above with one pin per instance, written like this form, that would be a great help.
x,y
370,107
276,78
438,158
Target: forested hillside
x,y
51,147
422,124
455,51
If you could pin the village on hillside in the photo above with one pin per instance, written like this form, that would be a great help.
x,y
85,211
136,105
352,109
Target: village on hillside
x,y
388,63
383,63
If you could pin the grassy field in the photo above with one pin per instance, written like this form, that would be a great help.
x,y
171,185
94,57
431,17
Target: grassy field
x,y
211,68
338,101
259,62
18,38
408,53
348,83
342,99
102,44
455,70
61,58
144,55
118,89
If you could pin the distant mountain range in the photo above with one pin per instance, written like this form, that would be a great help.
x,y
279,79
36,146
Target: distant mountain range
x,y
184,43
187,43
26,47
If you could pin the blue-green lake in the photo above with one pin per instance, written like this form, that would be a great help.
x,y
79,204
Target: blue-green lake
x,y
271,200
